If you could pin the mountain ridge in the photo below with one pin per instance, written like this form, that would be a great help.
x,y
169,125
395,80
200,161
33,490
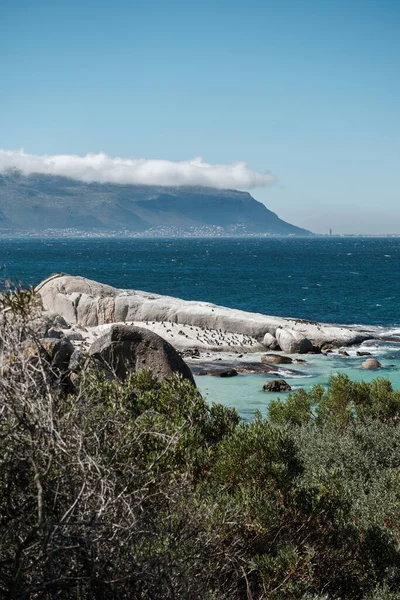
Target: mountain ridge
x,y
41,202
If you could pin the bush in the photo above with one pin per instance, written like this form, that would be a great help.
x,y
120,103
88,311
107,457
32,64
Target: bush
x,y
344,401
141,490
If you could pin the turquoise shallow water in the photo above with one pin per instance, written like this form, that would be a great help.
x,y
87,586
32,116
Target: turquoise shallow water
x,y
245,393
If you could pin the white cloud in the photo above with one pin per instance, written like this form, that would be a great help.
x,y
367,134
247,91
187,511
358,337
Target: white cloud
x,y
102,168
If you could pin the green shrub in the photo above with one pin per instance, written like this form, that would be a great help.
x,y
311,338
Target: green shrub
x,y
141,490
344,401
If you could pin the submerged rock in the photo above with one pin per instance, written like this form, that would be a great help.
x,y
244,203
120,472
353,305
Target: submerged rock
x,y
276,359
276,385
371,363
328,347
220,372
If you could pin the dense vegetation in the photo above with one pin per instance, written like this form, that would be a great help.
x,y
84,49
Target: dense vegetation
x,y
141,490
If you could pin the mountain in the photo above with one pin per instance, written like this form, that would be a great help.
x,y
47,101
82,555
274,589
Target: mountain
x,y
40,202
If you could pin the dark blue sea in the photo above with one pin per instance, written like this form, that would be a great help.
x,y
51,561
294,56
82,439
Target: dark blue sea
x,y
340,280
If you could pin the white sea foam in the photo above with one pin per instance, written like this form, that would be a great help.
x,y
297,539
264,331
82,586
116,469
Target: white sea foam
x,y
291,375
395,331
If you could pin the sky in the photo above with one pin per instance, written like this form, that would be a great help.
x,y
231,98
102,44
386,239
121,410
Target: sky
x,y
295,100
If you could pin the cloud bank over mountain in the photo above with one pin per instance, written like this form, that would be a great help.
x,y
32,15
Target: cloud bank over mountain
x,y
104,169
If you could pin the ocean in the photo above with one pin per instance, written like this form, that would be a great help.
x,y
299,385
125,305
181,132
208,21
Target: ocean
x,y
337,280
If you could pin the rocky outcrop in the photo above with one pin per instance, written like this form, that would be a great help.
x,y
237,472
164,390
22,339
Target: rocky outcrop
x,y
220,372
48,325
327,348
276,359
79,300
125,348
276,385
244,368
371,363
89,303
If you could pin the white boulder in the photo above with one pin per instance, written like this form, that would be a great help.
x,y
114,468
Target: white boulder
x,y
270,341
293,342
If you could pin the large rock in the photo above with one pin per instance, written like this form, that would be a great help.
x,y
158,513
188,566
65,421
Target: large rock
x,y
270,341
276,359
55,320
371,363
276,385
125,347
89,303
59,352
48,325
293,342
78,300
56,355
74,336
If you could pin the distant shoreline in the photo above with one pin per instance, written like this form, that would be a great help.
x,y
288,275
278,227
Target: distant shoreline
x,y
99,234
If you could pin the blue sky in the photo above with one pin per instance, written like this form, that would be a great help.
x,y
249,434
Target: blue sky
x,y
308,89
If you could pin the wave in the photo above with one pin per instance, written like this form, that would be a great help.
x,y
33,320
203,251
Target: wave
x,y
290,375
395,331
